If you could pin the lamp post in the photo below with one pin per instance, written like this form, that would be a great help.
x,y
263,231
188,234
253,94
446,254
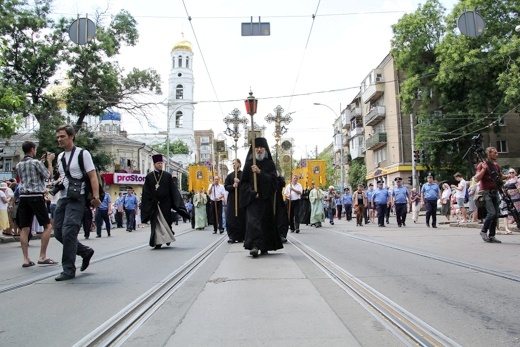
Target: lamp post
x,y
234,132
341,143
251,105
279,129
167,166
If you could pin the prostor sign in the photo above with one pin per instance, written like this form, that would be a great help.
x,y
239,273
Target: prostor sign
x,y
126,178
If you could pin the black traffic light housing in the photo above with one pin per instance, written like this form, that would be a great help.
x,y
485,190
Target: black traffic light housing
x,y
410,180
417,156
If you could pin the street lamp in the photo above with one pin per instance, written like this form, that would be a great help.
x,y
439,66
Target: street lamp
x,y
251,105
341,143
233,118
167,166
279,129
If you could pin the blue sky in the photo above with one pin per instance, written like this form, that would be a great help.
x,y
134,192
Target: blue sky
x,y
324,59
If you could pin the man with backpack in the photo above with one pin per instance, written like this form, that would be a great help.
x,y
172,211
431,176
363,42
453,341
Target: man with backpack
x,y
71,206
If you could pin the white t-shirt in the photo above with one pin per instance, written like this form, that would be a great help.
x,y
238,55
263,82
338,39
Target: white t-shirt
x,y
74,168
294,195
461,194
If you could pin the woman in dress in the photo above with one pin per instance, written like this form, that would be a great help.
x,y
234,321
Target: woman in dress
x,y
4,202
512,184
446,201
200,200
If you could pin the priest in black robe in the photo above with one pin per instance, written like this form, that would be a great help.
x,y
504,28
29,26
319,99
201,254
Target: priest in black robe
x,y
260,205
160,196
235,216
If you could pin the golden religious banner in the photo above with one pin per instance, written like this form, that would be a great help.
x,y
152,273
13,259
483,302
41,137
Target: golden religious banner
x,y
316,172
199,178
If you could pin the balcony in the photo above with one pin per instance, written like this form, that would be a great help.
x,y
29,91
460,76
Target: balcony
x,y
358,152
376,141
373,92
376,115
353,113
357,131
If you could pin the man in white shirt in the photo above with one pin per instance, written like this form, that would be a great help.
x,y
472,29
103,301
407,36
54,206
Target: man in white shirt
x,y
293,193
216,193
460,195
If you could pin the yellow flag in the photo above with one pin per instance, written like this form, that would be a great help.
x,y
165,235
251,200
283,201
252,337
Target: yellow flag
x,y
199,178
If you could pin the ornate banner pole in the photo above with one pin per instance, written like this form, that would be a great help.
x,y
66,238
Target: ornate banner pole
x,y
234,132
251,105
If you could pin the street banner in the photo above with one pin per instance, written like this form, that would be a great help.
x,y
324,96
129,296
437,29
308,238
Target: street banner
x,y
199,178
316,172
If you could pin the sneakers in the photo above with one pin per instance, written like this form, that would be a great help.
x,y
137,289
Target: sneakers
x,y
484,236
494,240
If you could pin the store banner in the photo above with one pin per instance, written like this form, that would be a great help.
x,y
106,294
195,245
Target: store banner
x,y
127,178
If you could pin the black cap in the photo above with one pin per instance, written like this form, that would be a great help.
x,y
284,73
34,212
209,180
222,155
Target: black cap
x,y
380,182
429,174
398,179
370,184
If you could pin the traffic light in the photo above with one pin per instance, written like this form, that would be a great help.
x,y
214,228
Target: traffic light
x,y
410,180
417,156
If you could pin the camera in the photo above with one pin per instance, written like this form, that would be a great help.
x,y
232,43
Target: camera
x,y
58,186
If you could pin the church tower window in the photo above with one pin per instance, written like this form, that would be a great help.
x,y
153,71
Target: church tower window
x,y
187,62
180,61
179,92
178,119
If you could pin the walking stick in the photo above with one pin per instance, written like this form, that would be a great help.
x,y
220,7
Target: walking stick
x,y
236,176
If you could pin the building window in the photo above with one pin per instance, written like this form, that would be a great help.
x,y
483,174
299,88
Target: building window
x,y
204,140
180,61
173,63
179,92
178,119
502,146
379,156
188,62
204,148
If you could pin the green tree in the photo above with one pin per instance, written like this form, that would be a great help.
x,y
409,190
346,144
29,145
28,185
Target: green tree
x,y
98,83
467,83
176,147
357,172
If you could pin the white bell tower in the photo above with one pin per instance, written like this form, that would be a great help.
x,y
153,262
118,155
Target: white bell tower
x,y
180,98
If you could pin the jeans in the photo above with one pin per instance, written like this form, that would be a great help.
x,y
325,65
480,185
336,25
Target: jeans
x,y
431,210
492,202
400,213
294,215
130,219
348,212
381,211
67,222
331,212
102,216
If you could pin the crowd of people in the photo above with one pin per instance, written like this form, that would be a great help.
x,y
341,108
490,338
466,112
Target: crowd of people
x,y
254,205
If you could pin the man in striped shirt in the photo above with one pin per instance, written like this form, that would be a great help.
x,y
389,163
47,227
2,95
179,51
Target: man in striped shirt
x,y
33,173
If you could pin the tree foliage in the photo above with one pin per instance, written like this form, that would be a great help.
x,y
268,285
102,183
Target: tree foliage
x,y
98,83
458,86
357,173
176,147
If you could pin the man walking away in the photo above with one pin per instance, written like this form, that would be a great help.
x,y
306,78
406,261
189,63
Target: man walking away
x,y
430,193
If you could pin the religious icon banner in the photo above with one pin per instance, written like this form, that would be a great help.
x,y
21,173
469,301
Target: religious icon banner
x,y
199,178
316,172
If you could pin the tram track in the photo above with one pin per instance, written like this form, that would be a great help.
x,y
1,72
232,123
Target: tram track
x,y
116,330
35,279
462,264
408,328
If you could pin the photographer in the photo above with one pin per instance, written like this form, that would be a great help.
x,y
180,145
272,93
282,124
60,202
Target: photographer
x,y
487,172
33,174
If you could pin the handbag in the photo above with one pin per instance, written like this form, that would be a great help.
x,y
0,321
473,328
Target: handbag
x,y
74,189
479,198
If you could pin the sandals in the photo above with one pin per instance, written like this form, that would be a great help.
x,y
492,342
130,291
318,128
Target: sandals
x,y
29,264
47,261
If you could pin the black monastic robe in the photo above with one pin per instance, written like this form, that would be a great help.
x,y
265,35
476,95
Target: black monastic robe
x,y
235,225
165,197
261,228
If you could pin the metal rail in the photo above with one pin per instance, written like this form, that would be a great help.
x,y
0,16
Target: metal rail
x,y
116,330
403,324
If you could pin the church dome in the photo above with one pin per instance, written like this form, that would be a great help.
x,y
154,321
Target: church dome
x,y
183,45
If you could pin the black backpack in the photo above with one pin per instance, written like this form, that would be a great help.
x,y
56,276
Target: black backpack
x,y
88,188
